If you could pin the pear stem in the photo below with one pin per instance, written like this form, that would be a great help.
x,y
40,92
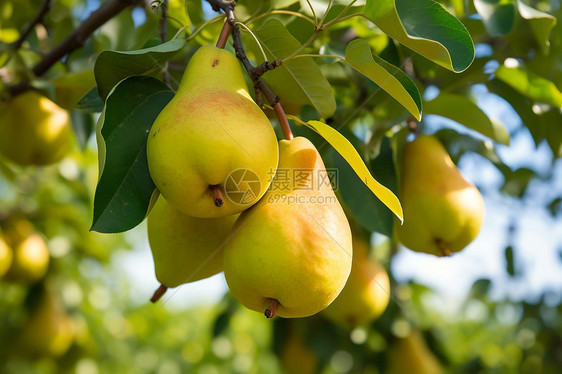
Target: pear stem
x,y
283,121
446,252
160,291
223,37
218,198
272,309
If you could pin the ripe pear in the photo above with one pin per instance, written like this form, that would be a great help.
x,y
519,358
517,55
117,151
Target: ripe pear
x,y
366,293
296,356
290,254
411,355
185,249
6,256
34,130
30,261
49,330
212,140
443,212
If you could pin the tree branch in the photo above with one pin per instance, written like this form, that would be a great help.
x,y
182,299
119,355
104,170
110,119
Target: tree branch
x,y
76,39
260,85
38,19
227,6
164,36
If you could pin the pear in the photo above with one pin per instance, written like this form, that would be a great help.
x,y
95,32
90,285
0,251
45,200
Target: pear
x,y
366,293
6,256
185,249
31,257
411,355
34,130
290,254
212,140
443,212
296,356
49,330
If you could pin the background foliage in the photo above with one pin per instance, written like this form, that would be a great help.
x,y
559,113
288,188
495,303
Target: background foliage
x,y
370,98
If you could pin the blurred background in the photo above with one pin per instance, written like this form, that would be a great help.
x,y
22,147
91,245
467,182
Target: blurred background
x,y
81,303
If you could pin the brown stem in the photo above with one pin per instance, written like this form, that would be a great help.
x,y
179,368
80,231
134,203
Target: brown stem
x,y
75,39
45,7
445,251
223,37
283,121
272,309
160,291
218,198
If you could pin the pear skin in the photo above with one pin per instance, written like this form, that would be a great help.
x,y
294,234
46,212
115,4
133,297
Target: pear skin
x,y
34,130
210,129
6,256
31,260
443,212
366,293
185,249
290,254
411,355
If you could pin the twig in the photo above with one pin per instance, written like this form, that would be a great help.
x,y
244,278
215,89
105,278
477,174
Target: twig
x,y
227,6
164,36
259,83
76,39
45,7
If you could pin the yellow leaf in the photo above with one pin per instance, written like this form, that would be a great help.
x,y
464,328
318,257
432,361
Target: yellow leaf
x,y
348,152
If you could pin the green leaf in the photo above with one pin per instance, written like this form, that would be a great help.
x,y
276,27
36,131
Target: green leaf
x,y
462,110
348,152
90,102
498,16
125,188
113,66
387,76
529,84
369,211
83,126
541,24
298,81
425,27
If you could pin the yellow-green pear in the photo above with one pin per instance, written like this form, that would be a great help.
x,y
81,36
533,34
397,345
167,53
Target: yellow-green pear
x,y
212,151
30,261
443,212
185,249
296,356
410,355
6,256
366,293
49,330
34,130
290,254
